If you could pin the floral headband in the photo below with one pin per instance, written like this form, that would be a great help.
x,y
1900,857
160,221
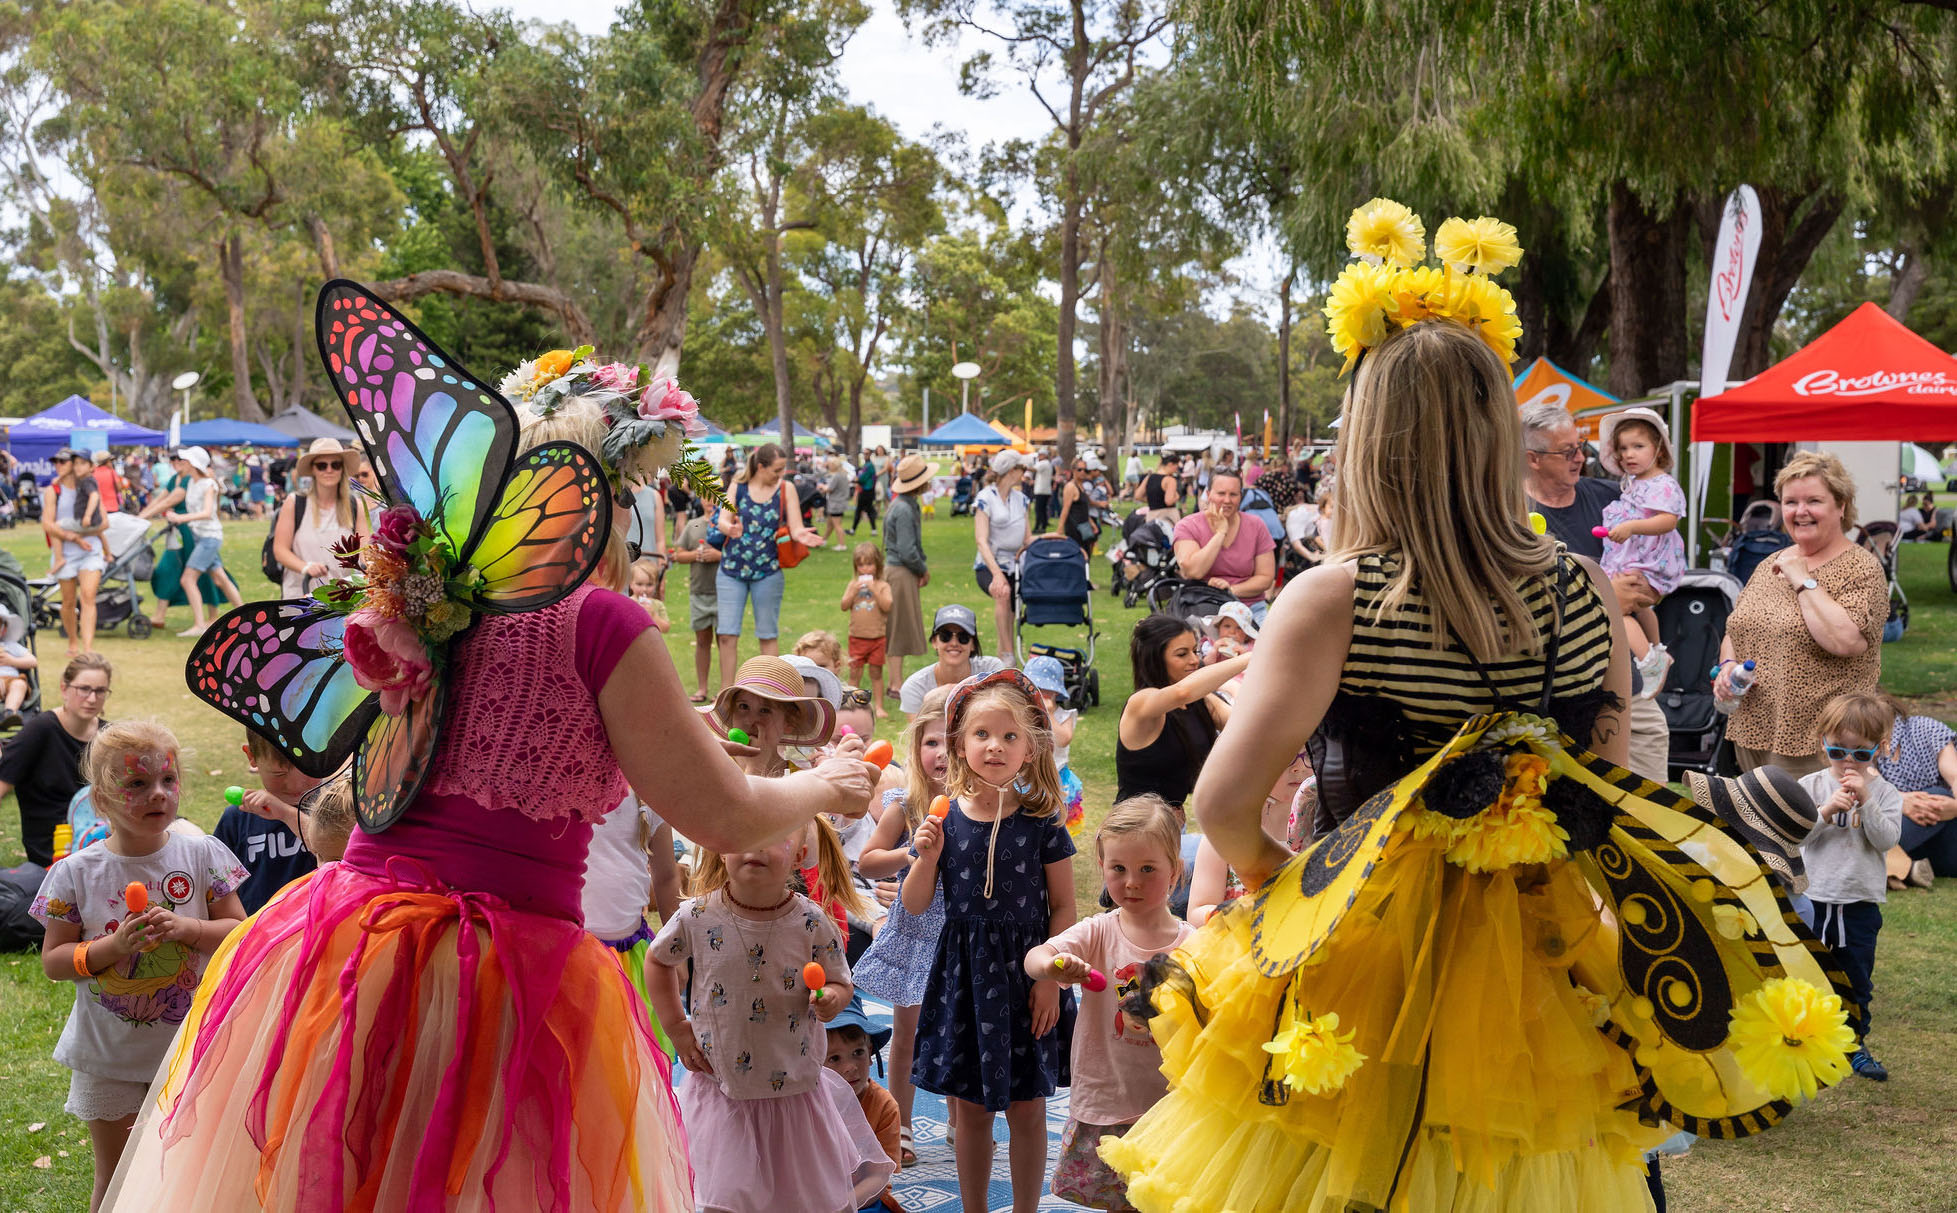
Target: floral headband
x,y
646,429
1387,285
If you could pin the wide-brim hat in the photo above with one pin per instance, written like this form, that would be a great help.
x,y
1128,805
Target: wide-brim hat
x,y
1608,426
1239,614
814,717
852,1016
1767,807
826,683
961,696
319,448
13,629
913,473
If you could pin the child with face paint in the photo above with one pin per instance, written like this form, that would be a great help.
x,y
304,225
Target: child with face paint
x,y
131,920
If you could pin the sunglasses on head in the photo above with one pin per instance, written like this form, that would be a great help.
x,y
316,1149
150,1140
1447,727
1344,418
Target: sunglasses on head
x,y
1836,753
854,698
950,635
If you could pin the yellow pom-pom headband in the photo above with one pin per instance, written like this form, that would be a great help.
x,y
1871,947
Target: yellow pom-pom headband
x,y
1387,285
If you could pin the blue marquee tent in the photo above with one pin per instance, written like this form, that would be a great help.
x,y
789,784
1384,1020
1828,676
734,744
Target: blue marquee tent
x,y
35,440
966,429
223,431
772,433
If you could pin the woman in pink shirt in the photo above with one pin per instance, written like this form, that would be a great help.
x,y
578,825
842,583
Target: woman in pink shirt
x,y
1217,547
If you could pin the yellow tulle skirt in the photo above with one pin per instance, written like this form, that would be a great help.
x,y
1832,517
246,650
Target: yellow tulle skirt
x,y
1428,1012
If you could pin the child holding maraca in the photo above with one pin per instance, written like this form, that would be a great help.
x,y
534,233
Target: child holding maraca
x,y
770,1129
991,1038
131,920
1117,1068
898,964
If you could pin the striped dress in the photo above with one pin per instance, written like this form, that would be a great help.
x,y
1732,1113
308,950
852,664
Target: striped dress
x,y
1399,699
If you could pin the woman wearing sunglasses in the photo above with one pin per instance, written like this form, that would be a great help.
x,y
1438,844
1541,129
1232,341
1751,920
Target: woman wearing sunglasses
x,y
311,520
954,638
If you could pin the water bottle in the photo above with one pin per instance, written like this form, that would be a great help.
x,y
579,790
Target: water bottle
x,y
64,839
1742,681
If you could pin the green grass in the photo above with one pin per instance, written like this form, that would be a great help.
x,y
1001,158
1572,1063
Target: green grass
x,y
1866,1146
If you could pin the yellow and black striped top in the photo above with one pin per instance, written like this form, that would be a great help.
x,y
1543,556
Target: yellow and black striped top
x,y
1400,699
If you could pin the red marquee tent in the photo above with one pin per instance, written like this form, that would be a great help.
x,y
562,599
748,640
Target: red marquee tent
x,y
1868,379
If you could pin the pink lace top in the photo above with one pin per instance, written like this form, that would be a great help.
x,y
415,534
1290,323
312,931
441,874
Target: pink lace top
x,y
523,729
523,733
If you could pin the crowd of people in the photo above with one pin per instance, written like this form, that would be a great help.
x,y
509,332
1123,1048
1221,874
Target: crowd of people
x,y
484,1002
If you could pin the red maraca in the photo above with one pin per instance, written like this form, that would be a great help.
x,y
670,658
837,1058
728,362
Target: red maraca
x,y
941,807
879,754
136,897
815,977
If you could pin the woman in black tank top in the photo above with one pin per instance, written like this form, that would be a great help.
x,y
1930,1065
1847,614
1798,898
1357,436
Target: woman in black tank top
x,y
1169,724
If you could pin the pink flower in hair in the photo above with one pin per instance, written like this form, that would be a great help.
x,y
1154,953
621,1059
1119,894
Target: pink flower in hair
x,y
666,400
386,655
617,376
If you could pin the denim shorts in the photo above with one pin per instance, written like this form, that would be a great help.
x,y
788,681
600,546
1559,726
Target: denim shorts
x,y
207,555
734,595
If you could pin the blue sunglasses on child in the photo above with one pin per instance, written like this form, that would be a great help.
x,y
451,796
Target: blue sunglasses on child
x,y
1836,753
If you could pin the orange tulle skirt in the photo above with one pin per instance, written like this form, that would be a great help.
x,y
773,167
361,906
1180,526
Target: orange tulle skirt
x,y
384,1042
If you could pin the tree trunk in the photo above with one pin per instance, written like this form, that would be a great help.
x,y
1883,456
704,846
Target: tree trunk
x,y
1284,358
1647,291
1793,223
1113,345
232,256
1906,283
577,326
1580,351
1063,376
329,256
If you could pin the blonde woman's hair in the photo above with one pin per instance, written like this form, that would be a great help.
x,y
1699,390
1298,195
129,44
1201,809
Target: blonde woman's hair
x,y
919,791
1863,714
1043,797
579,420
328,819
1145,816
1826,467
1430,473
832,866
103,762
344,503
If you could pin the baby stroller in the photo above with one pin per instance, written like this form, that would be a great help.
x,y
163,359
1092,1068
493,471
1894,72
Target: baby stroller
x,y
1053,592
1881,538
118,598
1759,536
1692,623
18,601
1187,599
963,494
1145,555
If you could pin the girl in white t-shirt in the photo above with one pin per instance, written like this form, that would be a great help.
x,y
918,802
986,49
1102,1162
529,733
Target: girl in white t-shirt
x,y
193,465
131,920
1117,1068
631,866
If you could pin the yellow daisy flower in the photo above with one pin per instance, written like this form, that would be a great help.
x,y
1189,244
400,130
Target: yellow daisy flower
x,y
1481,246
1488,309
1387,230
1517,829
1356,310
1790,1039
1317,1057
1415,293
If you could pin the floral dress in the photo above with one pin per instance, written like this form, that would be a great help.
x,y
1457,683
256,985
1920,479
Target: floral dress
x,y
1661,558
975,1037
753,557
898,964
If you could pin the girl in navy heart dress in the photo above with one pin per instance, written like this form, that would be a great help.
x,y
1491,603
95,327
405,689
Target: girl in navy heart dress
x,y
990,1038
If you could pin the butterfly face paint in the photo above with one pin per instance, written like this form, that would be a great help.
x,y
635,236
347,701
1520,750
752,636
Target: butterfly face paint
x,y
150,786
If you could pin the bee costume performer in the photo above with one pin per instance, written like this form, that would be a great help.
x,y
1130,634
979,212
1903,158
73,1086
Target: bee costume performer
x,y
1508,966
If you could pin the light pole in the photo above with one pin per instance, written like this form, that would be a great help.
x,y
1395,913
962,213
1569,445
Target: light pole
x,y
183,383
965,372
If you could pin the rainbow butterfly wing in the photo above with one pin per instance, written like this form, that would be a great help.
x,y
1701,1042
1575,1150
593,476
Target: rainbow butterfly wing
x,y
275,667
394,758
437,436
547,532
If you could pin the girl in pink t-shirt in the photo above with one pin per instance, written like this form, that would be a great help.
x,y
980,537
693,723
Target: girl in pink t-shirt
x,y
768,1128
1117,1069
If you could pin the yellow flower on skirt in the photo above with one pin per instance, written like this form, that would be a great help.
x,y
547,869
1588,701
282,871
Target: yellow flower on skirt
x,y
1317,1057
1790,1039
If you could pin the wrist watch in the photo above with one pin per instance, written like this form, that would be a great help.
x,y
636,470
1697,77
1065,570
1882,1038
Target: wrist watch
x,y
1805,586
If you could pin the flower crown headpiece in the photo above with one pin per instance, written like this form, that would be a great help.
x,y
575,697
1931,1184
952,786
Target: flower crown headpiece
x,y
646,428
1387,285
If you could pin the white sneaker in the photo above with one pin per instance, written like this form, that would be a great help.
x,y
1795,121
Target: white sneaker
x,y
1652,668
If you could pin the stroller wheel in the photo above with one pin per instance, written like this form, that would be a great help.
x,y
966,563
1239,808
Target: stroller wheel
x,y
139,626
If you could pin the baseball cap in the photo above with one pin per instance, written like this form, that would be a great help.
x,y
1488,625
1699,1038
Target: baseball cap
x,y
957,616
1047,674
197,457
1008,459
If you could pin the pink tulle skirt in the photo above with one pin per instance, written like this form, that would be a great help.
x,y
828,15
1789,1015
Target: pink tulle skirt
x,y
385,1042
810,1153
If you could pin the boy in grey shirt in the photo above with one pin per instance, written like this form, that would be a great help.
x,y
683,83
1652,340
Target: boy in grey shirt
x,y
702,600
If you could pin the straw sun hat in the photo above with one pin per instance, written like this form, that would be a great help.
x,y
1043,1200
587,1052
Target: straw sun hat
x,y
811,719
322,448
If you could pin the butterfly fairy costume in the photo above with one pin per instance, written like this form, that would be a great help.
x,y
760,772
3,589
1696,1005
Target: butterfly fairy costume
x,y
425,1025
1507,967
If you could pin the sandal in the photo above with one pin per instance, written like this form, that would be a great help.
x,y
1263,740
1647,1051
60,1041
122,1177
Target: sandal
x,y
906,1156
697,698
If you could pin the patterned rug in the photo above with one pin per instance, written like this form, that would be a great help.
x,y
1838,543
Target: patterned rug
x,y
932,1185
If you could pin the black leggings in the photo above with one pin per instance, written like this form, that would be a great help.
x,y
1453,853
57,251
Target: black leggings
x,y
866,503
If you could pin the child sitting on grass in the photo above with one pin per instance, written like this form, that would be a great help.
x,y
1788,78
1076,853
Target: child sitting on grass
x,y
263,830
